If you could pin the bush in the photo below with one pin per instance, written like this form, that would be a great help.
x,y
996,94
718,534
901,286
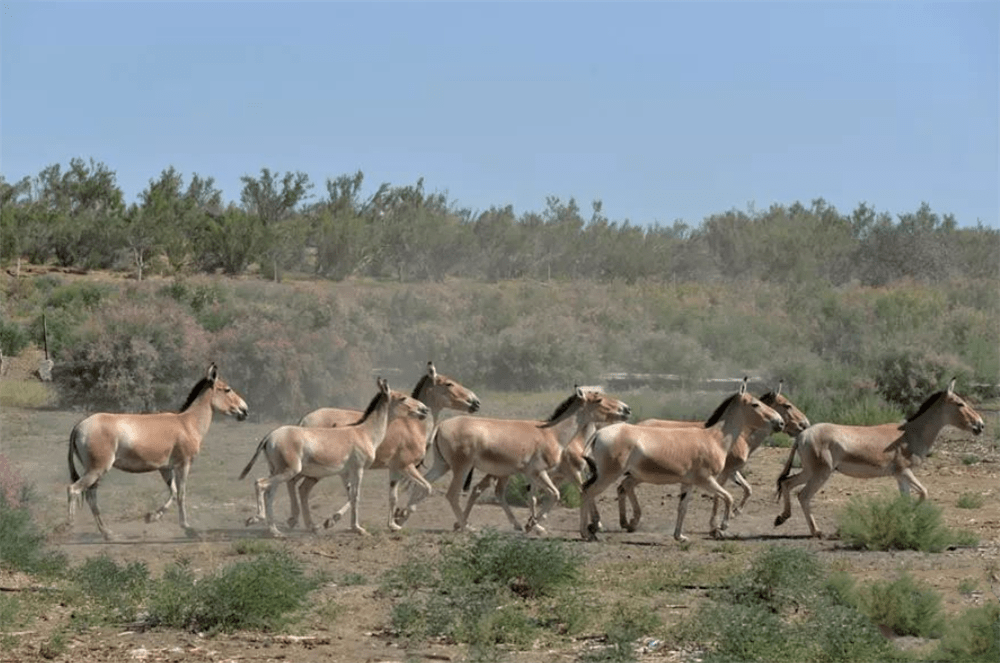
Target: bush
x,y
907,376
970,501
22,546
973,636
895,523
253,594
792,613
905,606
118,590
13,338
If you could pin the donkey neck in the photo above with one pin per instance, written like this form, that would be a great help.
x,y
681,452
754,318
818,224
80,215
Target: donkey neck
x,y
919,434
375,426
730,428
199,412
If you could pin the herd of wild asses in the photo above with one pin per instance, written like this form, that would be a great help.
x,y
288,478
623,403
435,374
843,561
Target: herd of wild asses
x,y
587,435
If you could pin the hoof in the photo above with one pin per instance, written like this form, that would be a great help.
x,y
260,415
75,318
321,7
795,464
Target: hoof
x,y
153,516
361,531
394,526
292,522
681,538
252,520
779,520
631,526
276,533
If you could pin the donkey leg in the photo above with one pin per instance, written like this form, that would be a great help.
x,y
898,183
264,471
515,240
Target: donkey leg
x,y
747,491
420,489
785,495
180,477
682,506
905,479
353,486
474,494
549,500
394,479
168,477
306,485
815,482
713,486
293,501
588,505
91,495
78,490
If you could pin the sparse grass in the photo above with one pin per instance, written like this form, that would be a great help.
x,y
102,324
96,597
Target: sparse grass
x,y
628,623
967,587
971,459
28,394
897,523
253,547
23,545
255,594
792,612
117,590
970,501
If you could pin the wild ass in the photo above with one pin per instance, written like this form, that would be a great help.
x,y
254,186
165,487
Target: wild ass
x,y
689,456
163,441
504,447
795,422
314,453
405,441
865,452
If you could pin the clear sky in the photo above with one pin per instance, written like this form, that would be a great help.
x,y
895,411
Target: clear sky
x,y
664,111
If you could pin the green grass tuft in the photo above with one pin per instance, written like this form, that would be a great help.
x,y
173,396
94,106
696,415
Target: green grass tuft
x,y
895,523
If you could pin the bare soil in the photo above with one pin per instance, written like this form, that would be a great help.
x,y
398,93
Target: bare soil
x,y
354,624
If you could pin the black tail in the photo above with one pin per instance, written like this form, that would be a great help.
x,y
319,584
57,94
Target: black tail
x,y
468,482
260,447
592,466
787,469
74,476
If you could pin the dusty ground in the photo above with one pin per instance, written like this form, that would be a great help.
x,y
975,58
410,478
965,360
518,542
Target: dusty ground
x,y
353,626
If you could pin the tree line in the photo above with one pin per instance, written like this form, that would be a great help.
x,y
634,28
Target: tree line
x,y
77,218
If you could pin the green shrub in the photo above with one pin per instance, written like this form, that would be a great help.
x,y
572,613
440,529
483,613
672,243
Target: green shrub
x,y
906,376
27,394
118,590
628,623
527,567
970,501
894,523
973,636
792,612
13,338
254,594
905,606
23,545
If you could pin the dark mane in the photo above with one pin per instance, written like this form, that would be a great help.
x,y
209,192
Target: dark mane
x,y
420,386
769,398
717,415
561,409
926,405
371,407
202,385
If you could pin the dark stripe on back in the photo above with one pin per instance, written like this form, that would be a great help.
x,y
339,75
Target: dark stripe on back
x,y
562,408
420,386
371,407
202,385
926,405
719,411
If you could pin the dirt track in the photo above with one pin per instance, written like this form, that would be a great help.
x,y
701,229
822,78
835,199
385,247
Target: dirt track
x,y
353,629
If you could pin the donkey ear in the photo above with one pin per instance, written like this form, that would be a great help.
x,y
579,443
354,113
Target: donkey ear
x,y
781,383
431,371
213,372
578,391
743,385
951,385
383,385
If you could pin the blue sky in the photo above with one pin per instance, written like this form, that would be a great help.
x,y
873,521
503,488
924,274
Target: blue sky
x,y
663,111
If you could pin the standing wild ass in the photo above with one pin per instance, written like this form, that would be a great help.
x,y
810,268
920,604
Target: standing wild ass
x,y
504,447
865,452
405,441
685,455
746,444
314,453
163,441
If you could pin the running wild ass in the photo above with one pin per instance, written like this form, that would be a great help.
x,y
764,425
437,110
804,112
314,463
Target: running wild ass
x,y
685,455
165,441
503,447
405,441
865,452
314,453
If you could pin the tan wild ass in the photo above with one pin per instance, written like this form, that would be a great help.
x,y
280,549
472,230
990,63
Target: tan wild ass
x,y
163,441
745,445
405,442
865,452
318,452
504,447
688,456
